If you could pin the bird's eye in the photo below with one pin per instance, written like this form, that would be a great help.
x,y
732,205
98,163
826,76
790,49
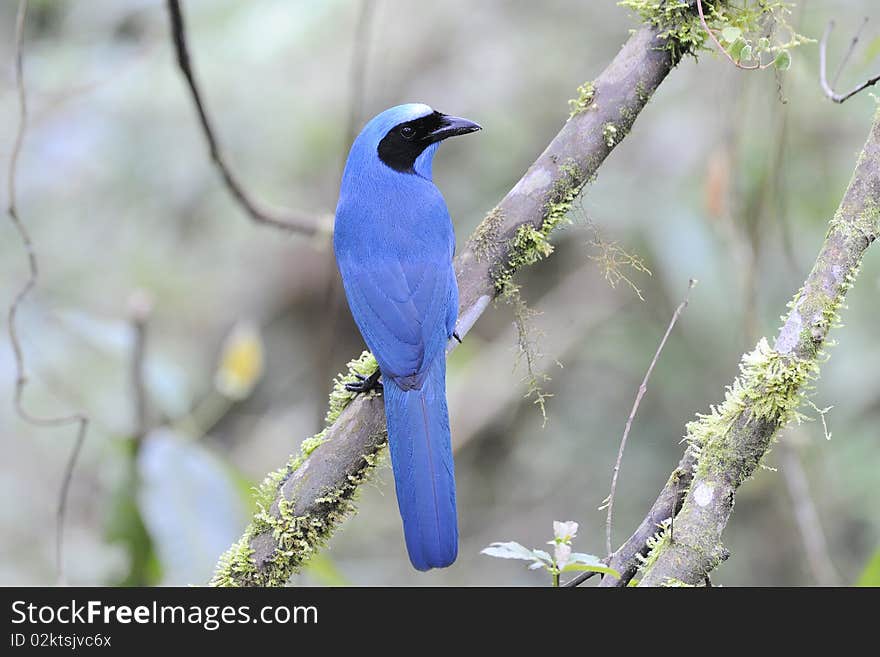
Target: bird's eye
x,y
407,132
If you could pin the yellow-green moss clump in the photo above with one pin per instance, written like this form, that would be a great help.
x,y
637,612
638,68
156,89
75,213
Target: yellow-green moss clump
x,y
296,538
754,31
655,544
678,22
586,93
609,134
771,387
486,241
530,244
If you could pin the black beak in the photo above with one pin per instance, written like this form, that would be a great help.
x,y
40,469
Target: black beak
x,y
452,126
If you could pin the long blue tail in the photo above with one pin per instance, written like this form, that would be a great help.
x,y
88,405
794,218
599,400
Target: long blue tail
x,y
424,476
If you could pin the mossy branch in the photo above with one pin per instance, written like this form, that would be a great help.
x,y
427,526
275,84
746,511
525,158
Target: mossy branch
x,y
730,441
304,501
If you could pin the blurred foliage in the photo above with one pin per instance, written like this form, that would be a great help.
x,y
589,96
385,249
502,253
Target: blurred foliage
x,y
729,177
871,574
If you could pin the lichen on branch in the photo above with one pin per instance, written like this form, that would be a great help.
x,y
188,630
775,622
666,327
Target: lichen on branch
x,y
772,387
296,535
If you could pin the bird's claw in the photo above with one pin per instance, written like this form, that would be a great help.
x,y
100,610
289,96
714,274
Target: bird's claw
x,y
365,383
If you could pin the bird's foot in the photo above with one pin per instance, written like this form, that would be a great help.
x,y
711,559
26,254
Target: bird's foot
x,y
365,383
456,336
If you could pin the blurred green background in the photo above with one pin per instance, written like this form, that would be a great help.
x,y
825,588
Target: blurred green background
x,y
728,176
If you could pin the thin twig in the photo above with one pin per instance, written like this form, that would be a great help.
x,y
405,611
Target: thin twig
x,y
609,519
823,74
80,419
140,309
286,220
849,52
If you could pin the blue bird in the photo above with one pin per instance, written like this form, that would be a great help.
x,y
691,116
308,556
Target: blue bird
x,y
394,244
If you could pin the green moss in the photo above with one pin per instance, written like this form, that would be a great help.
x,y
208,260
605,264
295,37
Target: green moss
x,y
530,244
581,104
655,543
677,21
679,26
642,93
363,365
528,351
609,134
770,387
864,224
773,386
671,582
235,564
297,537
614,262
486,240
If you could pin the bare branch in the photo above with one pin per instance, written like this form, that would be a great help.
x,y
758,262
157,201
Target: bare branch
x,y
286,220
823,67
79,419
643,388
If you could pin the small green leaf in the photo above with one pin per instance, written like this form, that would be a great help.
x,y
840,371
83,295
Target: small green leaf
x,y
763,44
510,550
782,61
592,568
745,54
736,49
730,34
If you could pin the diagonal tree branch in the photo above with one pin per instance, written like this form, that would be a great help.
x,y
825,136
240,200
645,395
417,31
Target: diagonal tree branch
x,y
303,502
285,220
731,441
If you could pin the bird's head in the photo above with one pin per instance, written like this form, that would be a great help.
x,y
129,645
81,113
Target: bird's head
x,y
405,137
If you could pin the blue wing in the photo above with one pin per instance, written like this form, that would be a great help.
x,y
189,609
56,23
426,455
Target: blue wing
x,y
400,286
401,308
